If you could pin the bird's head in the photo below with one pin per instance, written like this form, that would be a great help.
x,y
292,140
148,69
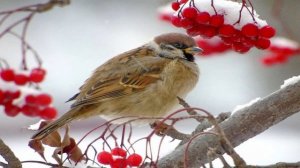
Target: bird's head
x,y
176,45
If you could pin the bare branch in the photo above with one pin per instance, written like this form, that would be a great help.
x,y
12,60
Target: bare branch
x,y
241,126
9,156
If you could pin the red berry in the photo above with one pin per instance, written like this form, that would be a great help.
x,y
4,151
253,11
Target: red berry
x,y
189,12
203,18
37,75
119,163
104,158
30,110
48,113
250,30
16,94
134,160
269,60
11,110
226,30
210,32
183,1
216,20
176,21
119,152
281,58
20,79
194,31
175,6
7,74
239,47
262,43
1,96
30,99
267,32
43,99
186,23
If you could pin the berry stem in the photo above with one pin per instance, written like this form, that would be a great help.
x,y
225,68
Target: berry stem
x,y
213,6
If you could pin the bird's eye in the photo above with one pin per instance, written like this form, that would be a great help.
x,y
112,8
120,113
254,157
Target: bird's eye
x,y
179,45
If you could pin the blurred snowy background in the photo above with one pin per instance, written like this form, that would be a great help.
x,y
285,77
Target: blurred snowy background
x,y
74,40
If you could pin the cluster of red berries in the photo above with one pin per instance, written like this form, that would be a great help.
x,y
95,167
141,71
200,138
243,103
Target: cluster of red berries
x,y
212,46
38,105
32,105
279,54
36,75
202,23
117,158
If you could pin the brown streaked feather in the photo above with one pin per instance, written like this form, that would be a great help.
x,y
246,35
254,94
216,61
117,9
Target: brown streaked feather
x,y
127,78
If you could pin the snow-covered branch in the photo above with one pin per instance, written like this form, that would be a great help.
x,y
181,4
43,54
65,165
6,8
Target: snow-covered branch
x,y
244,124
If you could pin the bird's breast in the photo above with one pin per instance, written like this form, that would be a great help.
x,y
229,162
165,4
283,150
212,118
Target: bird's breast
x,y
180,77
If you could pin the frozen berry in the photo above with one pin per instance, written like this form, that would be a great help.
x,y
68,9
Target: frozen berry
x,y
186,23
210,32
175,6
119,163
43,99
1,96
7,74
176,21
189,12
48,113
226,30
30,110
269,60
239,47
37,75
281,58
194,31
104,158
20,79
267,32
134,160
203,18
11,110
216,20
262,43
119,152
30,99
250,30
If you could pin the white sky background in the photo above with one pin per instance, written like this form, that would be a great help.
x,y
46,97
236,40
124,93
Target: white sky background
x,y
74,40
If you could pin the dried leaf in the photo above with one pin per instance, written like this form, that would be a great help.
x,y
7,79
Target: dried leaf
x,y
53,139
76,154
66,140
38,147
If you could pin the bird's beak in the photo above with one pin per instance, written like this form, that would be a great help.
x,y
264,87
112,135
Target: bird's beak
x,y
193,50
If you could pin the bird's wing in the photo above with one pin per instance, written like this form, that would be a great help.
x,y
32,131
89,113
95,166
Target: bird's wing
x,y
121,76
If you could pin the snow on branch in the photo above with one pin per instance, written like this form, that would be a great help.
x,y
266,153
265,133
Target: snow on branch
x,y
244,124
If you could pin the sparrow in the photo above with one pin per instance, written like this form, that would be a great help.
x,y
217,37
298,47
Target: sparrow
x,y
143,82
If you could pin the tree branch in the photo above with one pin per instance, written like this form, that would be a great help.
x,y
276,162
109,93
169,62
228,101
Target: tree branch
x,y
241,126
9,156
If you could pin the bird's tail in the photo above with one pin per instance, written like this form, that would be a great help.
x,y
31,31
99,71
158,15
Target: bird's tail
x,y
53,126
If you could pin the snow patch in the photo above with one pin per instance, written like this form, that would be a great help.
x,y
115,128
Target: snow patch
x,y
35,126
239,107
230,10
284,42
290,81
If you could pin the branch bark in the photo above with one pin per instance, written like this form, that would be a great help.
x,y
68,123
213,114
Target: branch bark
x,y
241,126
9,156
